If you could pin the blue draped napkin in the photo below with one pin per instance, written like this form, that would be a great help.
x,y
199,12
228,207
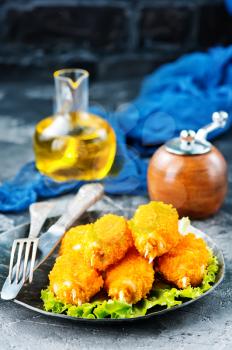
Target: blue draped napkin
x,y
228,4
179,95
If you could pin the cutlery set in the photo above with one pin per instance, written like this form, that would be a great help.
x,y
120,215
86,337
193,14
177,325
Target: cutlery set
x,y
29,253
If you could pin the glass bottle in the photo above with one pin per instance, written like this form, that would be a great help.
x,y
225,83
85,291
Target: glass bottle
x,y
73,144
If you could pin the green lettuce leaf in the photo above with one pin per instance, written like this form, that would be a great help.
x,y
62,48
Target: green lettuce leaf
x,y
51,303
113,309
162,295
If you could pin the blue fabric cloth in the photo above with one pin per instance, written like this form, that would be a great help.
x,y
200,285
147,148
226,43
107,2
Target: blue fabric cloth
x,y
179,95
228,4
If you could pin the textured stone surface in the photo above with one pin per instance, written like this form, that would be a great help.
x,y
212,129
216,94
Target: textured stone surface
x,y
124,65
106,36
165,25
205,325
91,27
215,25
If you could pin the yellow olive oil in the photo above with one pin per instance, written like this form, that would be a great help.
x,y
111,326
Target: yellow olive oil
x,y
85,152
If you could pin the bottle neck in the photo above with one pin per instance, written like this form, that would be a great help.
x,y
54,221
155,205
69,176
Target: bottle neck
x,y
71,91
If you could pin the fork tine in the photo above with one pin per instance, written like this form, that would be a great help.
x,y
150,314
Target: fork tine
x,y
12,259
19,258
34,250
28,247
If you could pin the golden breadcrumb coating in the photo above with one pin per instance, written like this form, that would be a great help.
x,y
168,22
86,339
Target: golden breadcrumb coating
x,y
154,228
102,243
74,281
131,279
75,239
185,264
108,242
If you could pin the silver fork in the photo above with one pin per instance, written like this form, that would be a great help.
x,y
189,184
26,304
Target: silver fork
x,y
38,214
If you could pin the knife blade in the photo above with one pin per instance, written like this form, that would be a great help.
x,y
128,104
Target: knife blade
x,y
84,199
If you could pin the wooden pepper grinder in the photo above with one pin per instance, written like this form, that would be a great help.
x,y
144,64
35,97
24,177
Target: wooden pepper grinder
x,y
189,172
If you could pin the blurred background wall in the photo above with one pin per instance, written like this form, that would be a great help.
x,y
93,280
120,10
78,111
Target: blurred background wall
x,y
114,39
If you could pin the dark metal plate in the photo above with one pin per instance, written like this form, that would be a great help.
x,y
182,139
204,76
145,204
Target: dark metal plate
x,y
29,297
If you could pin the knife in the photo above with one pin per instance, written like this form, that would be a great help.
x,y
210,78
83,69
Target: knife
x,y
84,199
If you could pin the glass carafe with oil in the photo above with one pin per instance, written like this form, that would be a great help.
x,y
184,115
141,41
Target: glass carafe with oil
x,y
73,144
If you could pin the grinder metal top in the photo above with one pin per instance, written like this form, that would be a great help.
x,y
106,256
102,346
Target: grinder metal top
x,y
194,143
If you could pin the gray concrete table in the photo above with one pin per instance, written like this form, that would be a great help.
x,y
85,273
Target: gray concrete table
x,y
206,324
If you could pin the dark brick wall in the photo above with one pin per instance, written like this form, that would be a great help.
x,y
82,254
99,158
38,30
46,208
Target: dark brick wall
x,y
111,38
